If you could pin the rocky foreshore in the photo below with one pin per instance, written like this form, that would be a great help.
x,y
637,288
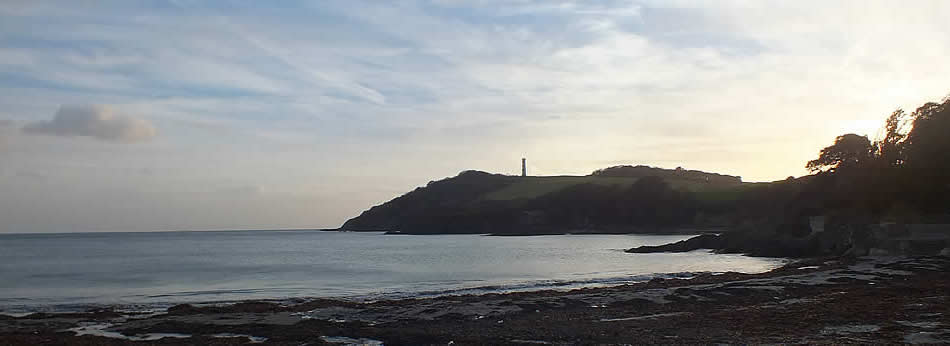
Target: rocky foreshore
x,y
832,300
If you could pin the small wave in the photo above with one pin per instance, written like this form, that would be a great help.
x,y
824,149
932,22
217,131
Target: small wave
x,y
280,295
528,286
220,292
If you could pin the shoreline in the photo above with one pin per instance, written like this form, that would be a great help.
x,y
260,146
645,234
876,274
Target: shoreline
x,y
488,289
672,231
535,264
879,299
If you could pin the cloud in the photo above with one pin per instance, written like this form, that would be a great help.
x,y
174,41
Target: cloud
x,y
5,129
97,121
31,175
422,89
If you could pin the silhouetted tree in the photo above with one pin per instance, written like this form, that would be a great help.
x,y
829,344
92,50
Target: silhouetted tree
x,y
928,143
903,168
926,153
890,148
849,150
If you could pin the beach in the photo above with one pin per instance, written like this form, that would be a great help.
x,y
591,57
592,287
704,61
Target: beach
x,y
828,300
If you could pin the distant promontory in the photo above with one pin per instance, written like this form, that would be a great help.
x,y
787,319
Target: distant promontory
x,y
620,199
886,196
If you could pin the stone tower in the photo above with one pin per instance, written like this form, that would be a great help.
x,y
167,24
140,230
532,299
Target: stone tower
x,y
524,169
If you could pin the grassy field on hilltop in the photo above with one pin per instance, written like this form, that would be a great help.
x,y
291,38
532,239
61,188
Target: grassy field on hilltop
x,y
621,199
533,187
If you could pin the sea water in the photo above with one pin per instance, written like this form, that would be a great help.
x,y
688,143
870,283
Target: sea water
x,y
79,271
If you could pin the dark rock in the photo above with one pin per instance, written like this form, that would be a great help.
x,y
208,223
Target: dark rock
x,y
252,307
751,243
705,241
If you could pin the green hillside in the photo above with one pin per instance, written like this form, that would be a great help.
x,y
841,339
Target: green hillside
x,y
534,187
615,199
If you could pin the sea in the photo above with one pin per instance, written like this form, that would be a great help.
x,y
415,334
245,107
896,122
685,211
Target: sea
x,y
148,271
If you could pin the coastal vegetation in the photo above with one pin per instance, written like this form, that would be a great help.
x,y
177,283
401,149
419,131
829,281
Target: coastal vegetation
x,y
901,177
625,199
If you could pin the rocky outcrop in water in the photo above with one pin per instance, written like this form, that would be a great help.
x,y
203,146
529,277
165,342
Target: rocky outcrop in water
x,y
833,238
753,244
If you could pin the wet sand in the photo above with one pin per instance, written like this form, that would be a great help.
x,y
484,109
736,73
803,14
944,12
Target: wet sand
x,y
868,300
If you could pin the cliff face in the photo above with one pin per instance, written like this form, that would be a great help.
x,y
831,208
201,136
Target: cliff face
x,y
649,199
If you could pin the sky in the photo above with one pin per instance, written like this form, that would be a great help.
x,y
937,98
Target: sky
x,y
167,115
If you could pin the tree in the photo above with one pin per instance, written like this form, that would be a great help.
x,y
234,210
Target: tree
x,y
927,146
926,166
849,151
890,149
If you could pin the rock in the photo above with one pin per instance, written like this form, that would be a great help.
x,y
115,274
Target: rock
x,y
705,241
250,306
751,243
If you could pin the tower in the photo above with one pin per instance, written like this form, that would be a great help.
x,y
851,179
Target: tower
x,y
524,169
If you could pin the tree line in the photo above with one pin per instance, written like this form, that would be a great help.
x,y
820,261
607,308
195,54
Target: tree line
x,y
903,174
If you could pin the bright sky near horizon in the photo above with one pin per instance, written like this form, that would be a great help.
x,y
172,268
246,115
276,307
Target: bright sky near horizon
x,y
155,115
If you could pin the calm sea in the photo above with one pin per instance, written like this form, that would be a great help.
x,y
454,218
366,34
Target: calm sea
x,y
68,272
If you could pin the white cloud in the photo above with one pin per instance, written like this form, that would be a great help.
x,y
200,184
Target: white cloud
x,y
97,121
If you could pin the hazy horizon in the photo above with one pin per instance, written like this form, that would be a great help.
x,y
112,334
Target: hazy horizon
x,y
181,115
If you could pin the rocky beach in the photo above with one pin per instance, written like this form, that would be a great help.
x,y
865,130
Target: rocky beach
x,y
828,300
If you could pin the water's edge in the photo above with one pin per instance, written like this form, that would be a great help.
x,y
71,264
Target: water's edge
x,y
153,271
